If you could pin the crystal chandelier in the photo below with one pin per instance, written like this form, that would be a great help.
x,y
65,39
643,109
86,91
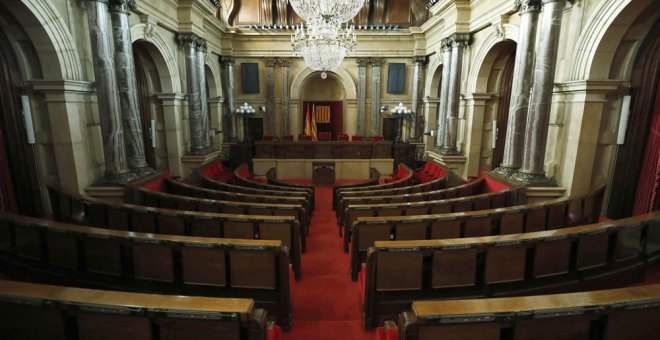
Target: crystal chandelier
x,y
341,10
323,43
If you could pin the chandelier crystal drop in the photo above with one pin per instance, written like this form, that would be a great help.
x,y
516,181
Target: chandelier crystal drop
x,y
341,10
323,43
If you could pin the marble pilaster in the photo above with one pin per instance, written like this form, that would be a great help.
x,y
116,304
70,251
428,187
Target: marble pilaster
x,y
375,95
229,116
521,83
362,94
127,87
269,121
444,90
416,123
285,66
203,95
536,135
173,106
189,44
215,111
458,42
112,131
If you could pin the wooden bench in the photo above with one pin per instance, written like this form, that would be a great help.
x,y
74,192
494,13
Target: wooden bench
x,y
604,255
560,213
374,177
243,177
271,176
180,188
100,258
38,311
157,199
403,181
401,195
73,208
624,313
501,199
437,183
210,183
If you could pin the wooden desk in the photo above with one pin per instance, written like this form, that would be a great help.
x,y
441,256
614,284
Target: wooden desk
x,y
323,172
323,150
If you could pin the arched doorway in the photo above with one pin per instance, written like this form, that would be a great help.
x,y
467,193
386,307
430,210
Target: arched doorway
x,y
20,190
504,101
324,96
151,113
634,183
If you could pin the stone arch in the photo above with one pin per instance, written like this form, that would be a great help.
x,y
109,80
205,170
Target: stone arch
x,y
432,76
604,32
164,59
487,55
212,68
56,48
341,75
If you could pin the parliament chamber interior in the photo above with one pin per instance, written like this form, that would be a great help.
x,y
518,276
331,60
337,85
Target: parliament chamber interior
x,y
329,169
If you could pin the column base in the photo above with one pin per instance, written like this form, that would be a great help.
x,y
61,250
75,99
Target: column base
x,y
143,171
120,178
504,171
532,179
449,151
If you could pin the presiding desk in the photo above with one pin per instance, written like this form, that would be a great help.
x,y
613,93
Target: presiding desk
x,y
352,160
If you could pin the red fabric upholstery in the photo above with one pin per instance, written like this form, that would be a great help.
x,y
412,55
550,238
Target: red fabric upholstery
x,y
377,138
342,137
288,138
275,333
356,138
491,185
157,183
389,334
268,137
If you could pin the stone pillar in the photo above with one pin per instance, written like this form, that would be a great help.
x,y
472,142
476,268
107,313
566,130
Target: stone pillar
x,y
458,42
444,90
522,82
112,131
189,43
269,121
229,116
215,112
127,87
375,95
173,107
416,123
203,95
285,65
536,135
362,94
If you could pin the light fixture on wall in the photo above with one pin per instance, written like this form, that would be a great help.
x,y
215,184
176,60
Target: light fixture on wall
x,y
323,43
341,10
245,111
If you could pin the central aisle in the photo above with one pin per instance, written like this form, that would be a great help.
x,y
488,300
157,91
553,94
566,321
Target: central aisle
x,y
326,303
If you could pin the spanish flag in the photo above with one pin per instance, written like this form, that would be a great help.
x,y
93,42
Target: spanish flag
x,y
314,133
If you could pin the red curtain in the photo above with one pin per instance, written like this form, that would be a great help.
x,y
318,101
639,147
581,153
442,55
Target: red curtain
x,y
648,184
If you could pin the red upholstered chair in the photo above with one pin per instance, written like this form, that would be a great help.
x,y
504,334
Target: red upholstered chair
x,y
377,138
288,138
356,138
268,137
342,137
325,135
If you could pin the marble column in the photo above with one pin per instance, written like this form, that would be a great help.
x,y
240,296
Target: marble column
x,y
522,82
197,143
362,95
269,121
444,91
285,66
375,95
203,95
127,87
231,119
458,42
416,123
531,171
112,131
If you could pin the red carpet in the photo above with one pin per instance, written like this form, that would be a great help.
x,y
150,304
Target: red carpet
x,y
326,303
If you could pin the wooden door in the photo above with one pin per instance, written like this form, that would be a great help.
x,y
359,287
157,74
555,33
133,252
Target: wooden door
x,y
255,129
390,125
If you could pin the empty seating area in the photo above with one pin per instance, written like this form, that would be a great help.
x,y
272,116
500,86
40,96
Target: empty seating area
x,y
609,254
624,313
100,258
38,311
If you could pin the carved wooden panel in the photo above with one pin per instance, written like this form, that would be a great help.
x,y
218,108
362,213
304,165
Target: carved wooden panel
x,y
249,12
378,12
398,12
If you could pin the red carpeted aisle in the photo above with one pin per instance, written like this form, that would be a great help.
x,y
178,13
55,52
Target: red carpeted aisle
x,y
326,303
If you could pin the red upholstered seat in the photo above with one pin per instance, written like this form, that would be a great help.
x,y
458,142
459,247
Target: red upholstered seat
x,y
387,334
491,185
288,138
274,332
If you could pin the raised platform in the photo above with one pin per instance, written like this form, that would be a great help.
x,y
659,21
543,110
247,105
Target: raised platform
x,y
302,168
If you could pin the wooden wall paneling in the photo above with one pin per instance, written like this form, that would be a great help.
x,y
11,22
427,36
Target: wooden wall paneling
x,y
362,18
378,12
267,12
282,12
398,12
249,12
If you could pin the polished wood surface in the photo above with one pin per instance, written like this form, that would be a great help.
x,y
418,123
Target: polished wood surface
x,y
124,299
323,150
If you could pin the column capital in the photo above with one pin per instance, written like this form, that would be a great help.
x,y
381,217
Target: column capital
x,y
362,62
229,60
420,60
445,45
122,6
101,1
527,6
187,39
284,62
270,62
545,2
459,39
201,44
376,62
